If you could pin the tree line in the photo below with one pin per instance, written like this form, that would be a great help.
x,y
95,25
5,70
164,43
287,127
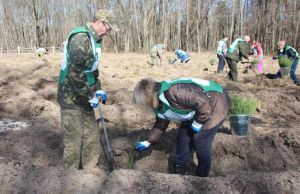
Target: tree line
x,y
192,25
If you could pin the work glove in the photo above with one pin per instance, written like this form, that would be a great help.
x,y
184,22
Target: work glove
x,y
100,94
196,127
142,145
94,102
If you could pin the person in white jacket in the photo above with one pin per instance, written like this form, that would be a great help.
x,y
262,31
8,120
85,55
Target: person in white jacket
x,y
41,52
221,52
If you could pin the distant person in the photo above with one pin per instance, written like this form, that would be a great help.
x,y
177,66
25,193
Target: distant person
x,y
41,52
240,48
285,50
200,105
183,56
156,54
78,82
221,52
258,53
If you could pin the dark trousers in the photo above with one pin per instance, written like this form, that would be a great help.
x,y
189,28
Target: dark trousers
x,y
222,62
233,73
201,142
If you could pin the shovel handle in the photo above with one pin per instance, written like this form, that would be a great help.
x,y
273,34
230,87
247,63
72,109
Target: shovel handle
x,y
108,151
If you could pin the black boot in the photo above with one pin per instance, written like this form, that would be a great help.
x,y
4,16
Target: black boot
x,y
178,169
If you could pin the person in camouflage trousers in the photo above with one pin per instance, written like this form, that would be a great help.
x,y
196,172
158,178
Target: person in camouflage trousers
x,y
78,81
156,54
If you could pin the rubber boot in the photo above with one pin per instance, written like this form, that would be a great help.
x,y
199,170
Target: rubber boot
x,y
178,169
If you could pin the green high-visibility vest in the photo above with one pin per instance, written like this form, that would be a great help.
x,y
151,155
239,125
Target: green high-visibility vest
x,y
92,67
233,46
289,47
171,113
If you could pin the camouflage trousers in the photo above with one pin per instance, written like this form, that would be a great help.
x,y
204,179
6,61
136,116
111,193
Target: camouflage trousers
x,y
82,147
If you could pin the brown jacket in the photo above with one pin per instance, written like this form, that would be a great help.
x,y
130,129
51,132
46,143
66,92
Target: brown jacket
x,y
211,108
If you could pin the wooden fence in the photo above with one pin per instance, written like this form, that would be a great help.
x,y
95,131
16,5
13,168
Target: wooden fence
x,y
20,50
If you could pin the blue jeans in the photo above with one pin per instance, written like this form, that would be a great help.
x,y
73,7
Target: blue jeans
x,y
201,142
292,71
222,61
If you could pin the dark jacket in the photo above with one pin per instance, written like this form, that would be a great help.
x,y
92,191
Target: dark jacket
x,y
210,107
243,49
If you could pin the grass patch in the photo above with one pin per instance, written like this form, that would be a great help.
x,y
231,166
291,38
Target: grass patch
x,y
132,156
212,61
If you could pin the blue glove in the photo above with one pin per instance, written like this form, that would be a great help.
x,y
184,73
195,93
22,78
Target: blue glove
x,y
142,145
94,102
196,126
101,94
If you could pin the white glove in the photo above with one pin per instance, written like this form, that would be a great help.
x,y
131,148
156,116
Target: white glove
x,y
196,126
94,102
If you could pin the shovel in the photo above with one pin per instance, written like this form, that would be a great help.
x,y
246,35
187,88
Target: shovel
x,y
108,153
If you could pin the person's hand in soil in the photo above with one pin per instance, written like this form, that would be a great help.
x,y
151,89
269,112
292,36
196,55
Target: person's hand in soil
x,y
142,145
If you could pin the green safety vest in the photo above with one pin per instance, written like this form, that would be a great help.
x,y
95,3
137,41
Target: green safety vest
x,y
93,66
171,113
233,46
289,47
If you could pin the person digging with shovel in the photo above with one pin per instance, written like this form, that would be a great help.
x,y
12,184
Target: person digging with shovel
x,y
240,48
200,105
78,82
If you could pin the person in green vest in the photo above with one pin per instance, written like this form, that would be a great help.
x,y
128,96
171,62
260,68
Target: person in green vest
x,y
200,105
221,53
156,53
291,53
78,81
240,48
41,52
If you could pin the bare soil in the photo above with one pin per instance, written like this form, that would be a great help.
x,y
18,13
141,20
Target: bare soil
x,y
268,161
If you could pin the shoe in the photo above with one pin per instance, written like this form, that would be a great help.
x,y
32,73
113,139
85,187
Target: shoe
x,y
178,169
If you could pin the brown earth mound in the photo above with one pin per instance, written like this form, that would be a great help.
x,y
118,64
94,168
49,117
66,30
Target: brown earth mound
x,y
31,158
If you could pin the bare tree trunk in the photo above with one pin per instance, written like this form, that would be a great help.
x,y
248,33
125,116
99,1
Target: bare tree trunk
x,y
242,18
36,24
137,26
187,23
145,29
179,25
198,27
232,21
297,26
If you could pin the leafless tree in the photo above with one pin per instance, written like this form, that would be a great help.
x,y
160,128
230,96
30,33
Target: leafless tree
x,y
193,25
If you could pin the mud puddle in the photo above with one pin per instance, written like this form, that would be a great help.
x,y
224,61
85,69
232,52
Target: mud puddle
x,y
7,124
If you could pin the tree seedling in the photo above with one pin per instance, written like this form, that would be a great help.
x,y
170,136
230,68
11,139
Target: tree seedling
x,y
212,61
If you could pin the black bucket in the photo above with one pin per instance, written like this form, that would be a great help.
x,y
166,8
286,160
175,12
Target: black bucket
x,y
285,71
240,124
